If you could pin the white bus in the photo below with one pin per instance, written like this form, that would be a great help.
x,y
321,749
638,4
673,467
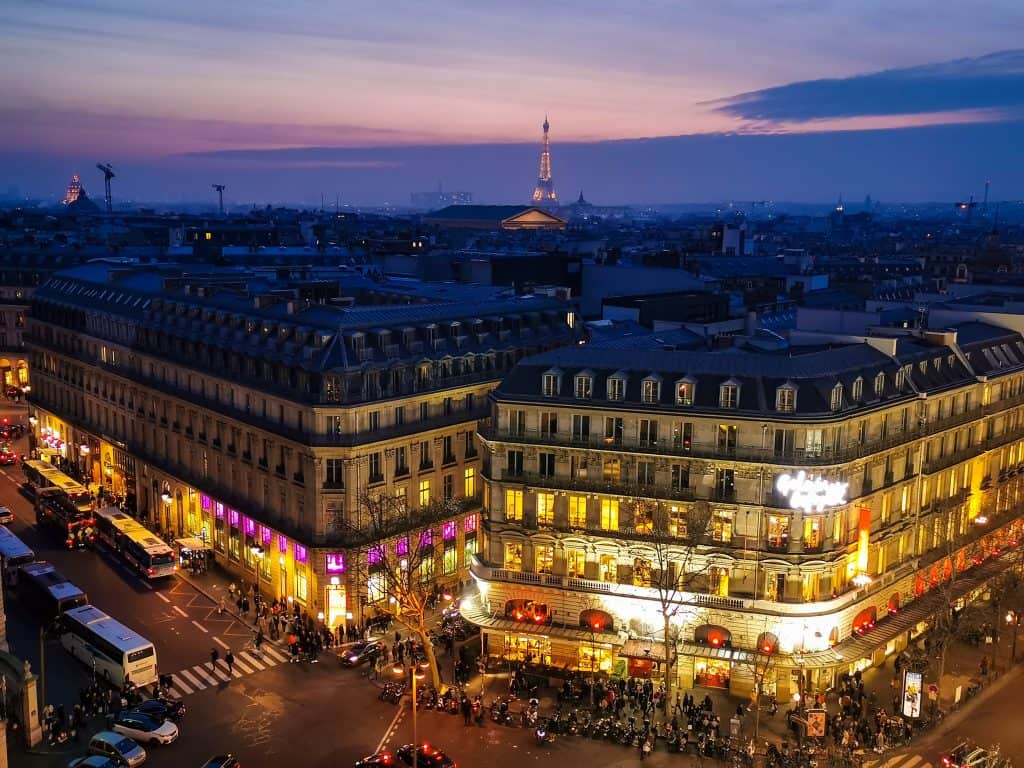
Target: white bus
x,y
110,648
13,554
126,536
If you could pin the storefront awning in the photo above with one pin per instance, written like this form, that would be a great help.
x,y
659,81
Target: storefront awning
x,y
724,654
192,543
643,649
474,613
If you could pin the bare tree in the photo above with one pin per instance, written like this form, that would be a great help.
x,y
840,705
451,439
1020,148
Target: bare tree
x,y
396,561
677,564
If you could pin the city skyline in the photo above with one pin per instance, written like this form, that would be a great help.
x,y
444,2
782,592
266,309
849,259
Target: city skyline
x,y
287,104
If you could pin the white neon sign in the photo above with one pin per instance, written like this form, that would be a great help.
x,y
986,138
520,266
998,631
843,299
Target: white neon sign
x,y
811,494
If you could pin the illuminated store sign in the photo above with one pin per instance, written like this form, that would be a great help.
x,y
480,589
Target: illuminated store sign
x,y
811,494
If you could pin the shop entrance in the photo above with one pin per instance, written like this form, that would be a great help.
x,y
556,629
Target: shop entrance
x,y
336,605
712,673
594,658
534,650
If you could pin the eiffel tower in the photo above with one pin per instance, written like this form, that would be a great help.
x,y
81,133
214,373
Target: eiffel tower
x,y
544,193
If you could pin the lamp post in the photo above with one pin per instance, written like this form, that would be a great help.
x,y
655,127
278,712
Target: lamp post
x,y
1013,621
416,672
594,627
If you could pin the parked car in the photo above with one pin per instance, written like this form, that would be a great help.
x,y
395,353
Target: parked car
x,y
222,761
362,652
144,728
161,709
9,458
6,516
92,761
121,749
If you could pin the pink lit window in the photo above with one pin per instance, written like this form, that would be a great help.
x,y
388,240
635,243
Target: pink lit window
x,y
301,555
469,524
335,562
218,510
205,502
426,538
282,545
249,526
402,546
448,530
374,555
233,518
265,535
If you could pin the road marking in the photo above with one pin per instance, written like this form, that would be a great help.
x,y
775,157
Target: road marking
x,y
180,683
387,733
162,597
180,611
222,676
202,672
273,653
221,643
241,665
205,630
914,760
252,660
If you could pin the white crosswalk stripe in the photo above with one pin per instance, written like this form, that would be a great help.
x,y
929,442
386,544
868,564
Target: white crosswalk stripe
x,y
898,761
202,676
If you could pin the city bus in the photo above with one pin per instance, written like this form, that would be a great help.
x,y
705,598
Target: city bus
x,y
13,554
143,550
110,648
57,512
46,591
42,474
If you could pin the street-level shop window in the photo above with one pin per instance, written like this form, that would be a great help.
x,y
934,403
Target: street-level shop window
x,y
234,542
535,650
219,534
469,549
450,560
301,583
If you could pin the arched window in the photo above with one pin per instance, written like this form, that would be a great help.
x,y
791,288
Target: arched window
x,y
864,621
527,611
879,384
596,620
713,635
894,604
836,401
767,643
857,389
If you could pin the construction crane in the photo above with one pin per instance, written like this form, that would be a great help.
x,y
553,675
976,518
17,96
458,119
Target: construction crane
x,y
108,174
220,196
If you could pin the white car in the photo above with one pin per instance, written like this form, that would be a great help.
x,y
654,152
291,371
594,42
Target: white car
x,y
6,516
145,729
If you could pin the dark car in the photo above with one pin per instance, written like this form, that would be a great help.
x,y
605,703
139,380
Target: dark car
x,y
222,761
9,458
362,652
28,491
379,760
161,709
426,755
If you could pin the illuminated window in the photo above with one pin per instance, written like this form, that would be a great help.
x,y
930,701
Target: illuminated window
x,y
616,388
575,563
684,392
879,384
301,583
721,526
376,587
469,549
209,235
610,514
857,389
584,387
718,581
545,558
608,568
545,508
650,391
424,493
778,531
514,556
641,572
812,532
785,399
426,566
450,563
513,505
469,487
577,511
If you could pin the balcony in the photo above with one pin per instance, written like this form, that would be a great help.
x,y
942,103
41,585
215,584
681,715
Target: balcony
x,y
401,471
375,479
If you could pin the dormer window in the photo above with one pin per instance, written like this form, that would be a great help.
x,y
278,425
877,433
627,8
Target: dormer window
x,y
836,400
785,398
584,388
616,388
937,363
729,394
684,391
879,384
901,378
857,389
923,366
650,390
551,384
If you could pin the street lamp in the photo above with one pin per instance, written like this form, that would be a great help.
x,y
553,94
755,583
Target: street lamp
x,y
1013,620
416,671
595,627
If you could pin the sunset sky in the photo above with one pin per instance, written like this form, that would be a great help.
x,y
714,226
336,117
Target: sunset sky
x,y
153,86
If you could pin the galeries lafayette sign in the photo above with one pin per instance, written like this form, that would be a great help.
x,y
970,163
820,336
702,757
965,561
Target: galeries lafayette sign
x,y
811,494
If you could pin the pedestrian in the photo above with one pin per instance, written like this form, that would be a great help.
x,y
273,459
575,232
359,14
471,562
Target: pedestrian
x,y
214,658
245,606
230,659
221,607
467,710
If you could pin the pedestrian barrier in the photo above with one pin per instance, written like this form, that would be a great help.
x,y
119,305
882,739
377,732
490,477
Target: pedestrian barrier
x,y
202,676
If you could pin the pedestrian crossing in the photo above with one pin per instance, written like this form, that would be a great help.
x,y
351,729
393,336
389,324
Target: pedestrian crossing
x,y
904,760
202,676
